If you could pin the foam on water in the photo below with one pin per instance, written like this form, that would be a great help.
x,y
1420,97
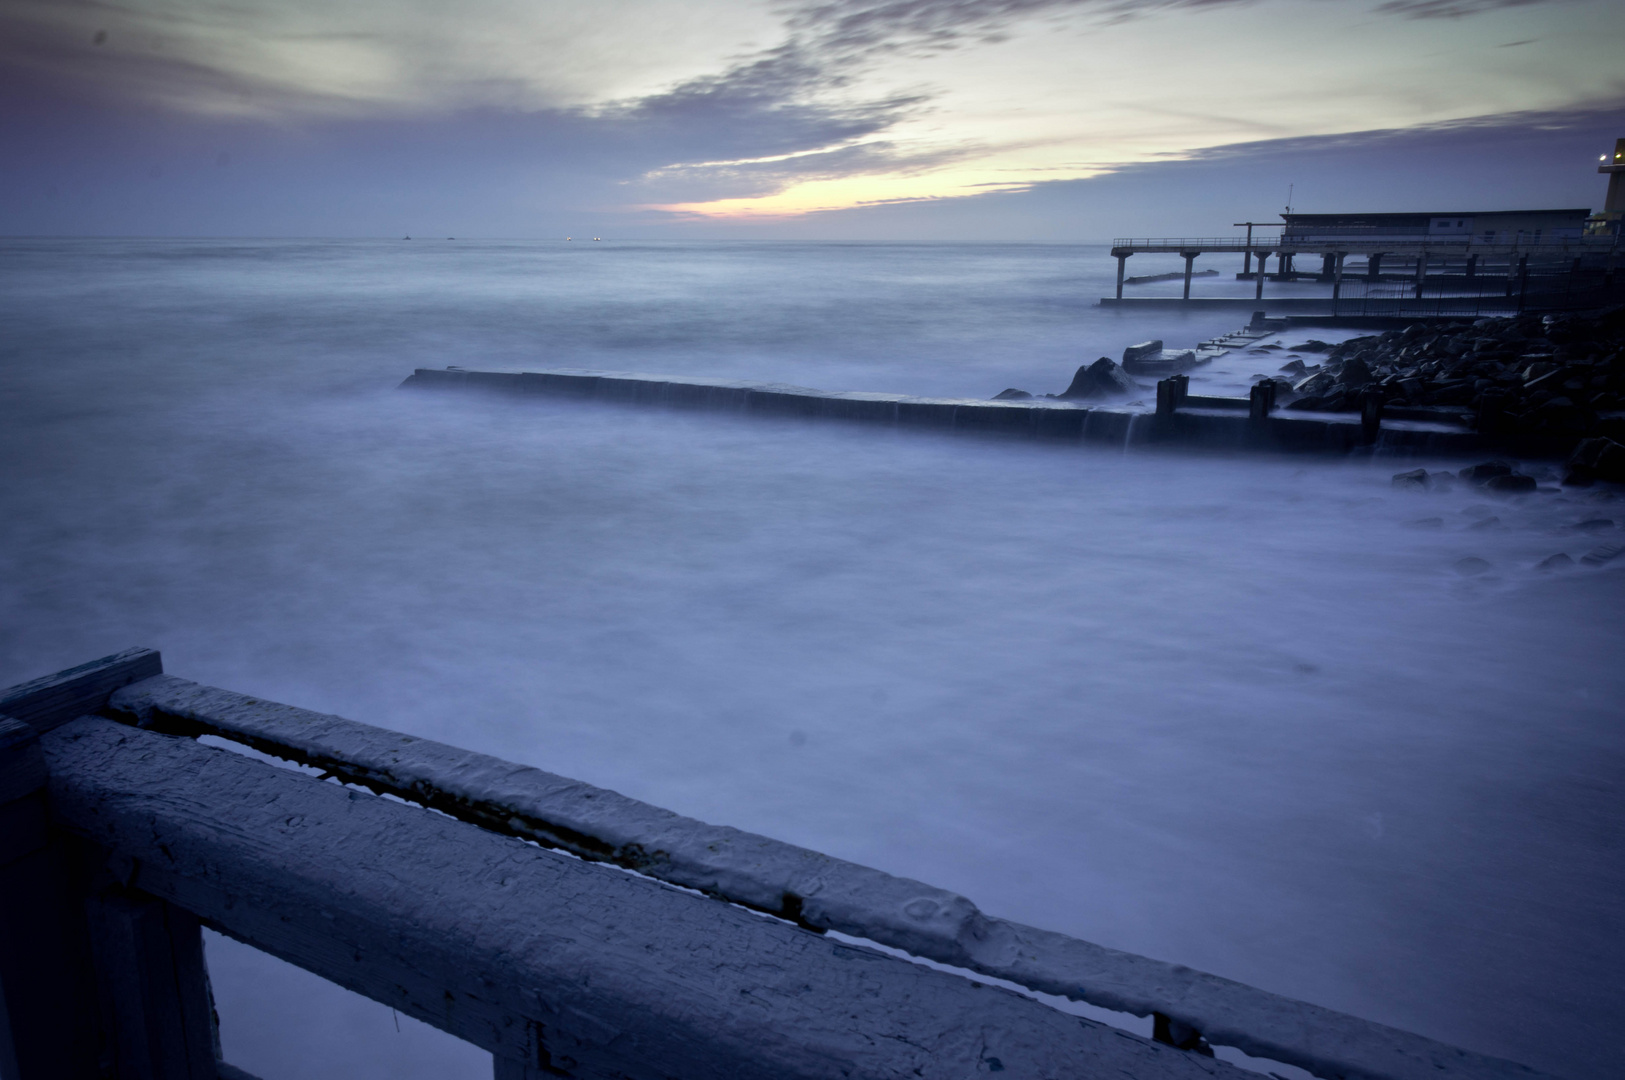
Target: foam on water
x,y
1241,713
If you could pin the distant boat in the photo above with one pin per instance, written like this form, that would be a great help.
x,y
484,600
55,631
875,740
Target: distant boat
x,y
569,238
406,238
598,238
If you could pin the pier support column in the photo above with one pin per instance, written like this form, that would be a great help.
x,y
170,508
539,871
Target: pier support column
x,y
1337,278
1328,265
1258,294
1373,266
1472,267
1190,260
1523,280
1122,262
1421,273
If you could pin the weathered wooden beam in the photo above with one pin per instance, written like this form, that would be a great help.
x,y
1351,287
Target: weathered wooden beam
x,y
55,699
813,889
48,1010
551,961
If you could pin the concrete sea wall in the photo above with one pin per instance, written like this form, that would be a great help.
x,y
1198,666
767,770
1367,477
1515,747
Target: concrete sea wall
x,y
1215,423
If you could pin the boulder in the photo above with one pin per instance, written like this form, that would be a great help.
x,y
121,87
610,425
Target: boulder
x,y
1103,378
1415,480
1485,470
1511,484
1560,561
1011,394
1294,367
1356,373
1472,566
1597,459
1318,383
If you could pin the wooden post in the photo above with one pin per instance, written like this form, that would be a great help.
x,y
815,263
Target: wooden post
x,y
1122,262
154,987
1370,415
1337,280
1258,294
47,1005
1190,261
1421,272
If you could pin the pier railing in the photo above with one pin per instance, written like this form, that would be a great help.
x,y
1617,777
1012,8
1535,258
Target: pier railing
x,y
492,900
1360,243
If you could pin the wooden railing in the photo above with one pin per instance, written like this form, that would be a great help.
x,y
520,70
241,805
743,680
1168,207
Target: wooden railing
x,y
495,920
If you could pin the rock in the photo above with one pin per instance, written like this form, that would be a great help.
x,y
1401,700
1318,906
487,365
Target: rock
x,y
1484,470
1415,480
1103,378
1597,459
1317,383
1312,345
1597,556
1530,382
1472,566
1511,484
1355,373
1491,522
1011,394
1560,561
1294,367
1593,525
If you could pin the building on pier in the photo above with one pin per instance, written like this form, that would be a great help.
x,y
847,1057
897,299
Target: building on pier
x,y
1480,261
1519,227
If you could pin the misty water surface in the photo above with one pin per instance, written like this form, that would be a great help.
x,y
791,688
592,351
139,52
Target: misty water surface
x,y
1238,713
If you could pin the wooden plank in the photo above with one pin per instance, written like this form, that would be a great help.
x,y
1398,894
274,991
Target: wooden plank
x,y
806,886
153,986
537,956
47,1006
55,699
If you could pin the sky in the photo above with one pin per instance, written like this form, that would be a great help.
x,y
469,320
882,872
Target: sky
x,y
1028,120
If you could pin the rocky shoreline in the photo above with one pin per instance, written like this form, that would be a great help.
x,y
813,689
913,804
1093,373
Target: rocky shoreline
x,y
1540,385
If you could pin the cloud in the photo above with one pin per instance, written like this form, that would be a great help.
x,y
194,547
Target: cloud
x,y
1450,9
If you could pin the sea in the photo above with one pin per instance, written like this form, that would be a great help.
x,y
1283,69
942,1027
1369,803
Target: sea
x,y
1244,713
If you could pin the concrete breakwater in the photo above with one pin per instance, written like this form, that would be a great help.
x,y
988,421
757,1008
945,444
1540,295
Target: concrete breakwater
x,y
1182,420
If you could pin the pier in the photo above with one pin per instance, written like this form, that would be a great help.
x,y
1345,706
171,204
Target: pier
x,y
536,917
1392,265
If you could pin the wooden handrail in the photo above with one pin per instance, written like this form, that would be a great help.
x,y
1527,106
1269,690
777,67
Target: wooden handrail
x,y
552,963
807,887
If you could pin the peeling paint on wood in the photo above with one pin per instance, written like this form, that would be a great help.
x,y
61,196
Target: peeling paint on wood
x,y
548,960
55,699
